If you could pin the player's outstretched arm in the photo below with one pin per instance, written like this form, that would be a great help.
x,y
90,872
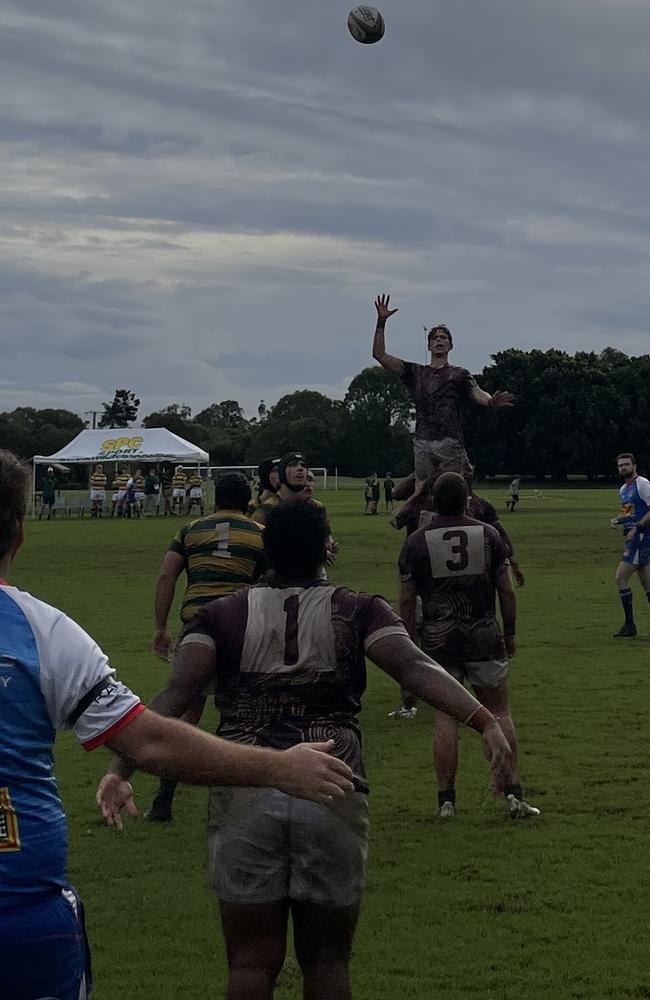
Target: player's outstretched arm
x,y
161,745
175,749
398,656
499,398
387,361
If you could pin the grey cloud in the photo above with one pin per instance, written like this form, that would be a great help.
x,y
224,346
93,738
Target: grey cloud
x,y
485,162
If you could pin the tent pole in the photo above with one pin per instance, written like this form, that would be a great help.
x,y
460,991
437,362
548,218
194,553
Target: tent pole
x,y
33,489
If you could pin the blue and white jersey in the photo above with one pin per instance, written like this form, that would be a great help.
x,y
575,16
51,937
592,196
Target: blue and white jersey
x,y
52,676
635,501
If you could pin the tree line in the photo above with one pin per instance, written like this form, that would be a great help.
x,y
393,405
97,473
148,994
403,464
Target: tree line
x,y
572,415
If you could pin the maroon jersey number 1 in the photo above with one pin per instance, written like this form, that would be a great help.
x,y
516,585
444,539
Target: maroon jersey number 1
x,y
291,631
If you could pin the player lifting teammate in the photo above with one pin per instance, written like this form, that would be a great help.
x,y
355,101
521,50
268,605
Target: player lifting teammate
x,y
288,662
635,518
457,565
437,390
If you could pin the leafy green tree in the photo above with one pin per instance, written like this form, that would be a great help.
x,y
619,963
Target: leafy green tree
x,y
28,431
122,411
227,413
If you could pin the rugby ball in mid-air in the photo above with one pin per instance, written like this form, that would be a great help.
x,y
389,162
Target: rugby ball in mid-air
x,y
366,25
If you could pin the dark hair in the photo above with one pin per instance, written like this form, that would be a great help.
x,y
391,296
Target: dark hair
x,y
295,539
626,454
13,490
450,493
434,329
291,458
232,491
264,471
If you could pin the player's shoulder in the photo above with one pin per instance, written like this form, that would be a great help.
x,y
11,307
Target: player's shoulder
x,y
241,522
46,616
474,522
357,602
53,631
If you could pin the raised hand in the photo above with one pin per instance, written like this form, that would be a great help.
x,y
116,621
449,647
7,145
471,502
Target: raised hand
x,y
382,306
502,398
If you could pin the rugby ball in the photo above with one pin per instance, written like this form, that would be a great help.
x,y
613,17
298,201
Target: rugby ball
x,y
366,25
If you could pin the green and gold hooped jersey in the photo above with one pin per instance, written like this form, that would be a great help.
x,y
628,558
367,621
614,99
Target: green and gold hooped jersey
x,y
223,552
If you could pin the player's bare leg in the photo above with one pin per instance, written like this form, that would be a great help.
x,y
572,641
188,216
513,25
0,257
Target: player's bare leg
x,y
644,577
496,701
323,938
623,577
445,762
256,946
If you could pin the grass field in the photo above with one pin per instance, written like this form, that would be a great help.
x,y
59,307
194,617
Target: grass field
x,y
478,907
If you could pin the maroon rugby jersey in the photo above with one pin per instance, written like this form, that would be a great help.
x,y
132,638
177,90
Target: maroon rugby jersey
x,y
437,394
418,513
454,563
290,664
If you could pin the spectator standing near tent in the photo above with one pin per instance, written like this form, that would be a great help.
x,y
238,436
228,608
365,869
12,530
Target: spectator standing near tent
x,y
389,486
97,491
48,494
179,486
166,478
151,492
195,493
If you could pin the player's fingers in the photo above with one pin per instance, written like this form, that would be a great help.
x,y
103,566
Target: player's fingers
x,y
325,747
329,792
338,767
131,808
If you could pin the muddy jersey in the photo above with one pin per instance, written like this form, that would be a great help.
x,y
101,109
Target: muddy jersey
x,y
484,511
290,664
437,394
454,563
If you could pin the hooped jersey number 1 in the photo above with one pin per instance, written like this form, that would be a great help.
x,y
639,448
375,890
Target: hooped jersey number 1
x,y
456,551
222,534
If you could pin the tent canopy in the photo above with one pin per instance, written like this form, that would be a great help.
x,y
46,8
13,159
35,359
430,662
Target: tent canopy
x,y
125,444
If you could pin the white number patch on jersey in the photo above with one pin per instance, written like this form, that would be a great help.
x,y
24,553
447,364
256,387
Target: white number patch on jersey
x,y
289,631
222,533
456,551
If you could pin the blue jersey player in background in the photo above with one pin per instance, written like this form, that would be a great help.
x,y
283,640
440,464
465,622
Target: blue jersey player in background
x,y
54,676
635,517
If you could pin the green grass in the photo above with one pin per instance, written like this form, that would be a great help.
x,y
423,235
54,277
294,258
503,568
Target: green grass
x,y
480,907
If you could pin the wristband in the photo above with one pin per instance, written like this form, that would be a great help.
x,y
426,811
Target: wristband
x,y
479,718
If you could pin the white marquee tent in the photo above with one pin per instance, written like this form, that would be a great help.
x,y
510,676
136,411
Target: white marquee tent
x,y
124,445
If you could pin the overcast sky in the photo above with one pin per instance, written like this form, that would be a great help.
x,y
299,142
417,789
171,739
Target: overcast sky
x,y
200,200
